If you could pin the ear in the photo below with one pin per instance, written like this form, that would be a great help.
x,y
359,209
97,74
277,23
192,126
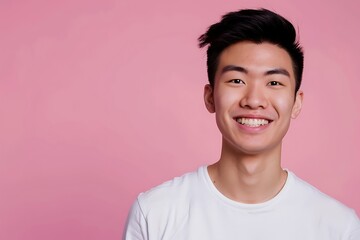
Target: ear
x,y
297,104
209,98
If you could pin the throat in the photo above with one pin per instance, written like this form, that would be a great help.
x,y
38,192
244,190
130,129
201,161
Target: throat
x,y
246,186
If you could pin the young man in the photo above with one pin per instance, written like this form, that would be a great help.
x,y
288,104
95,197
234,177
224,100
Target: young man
x,y
254,68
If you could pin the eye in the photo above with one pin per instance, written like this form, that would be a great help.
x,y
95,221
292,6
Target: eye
x,y
237,81
274,83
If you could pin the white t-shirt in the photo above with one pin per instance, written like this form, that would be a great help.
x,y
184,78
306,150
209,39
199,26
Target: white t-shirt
x,y
191,208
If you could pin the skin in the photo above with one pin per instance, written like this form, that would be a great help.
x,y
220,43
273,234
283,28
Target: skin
x,y
253,81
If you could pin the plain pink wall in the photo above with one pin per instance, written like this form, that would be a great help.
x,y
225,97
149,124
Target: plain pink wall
x,y
100,100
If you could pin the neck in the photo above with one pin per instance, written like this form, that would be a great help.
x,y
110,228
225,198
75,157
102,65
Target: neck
x,y
249,178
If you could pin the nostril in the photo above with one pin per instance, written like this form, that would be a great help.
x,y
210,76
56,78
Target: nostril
x,y
253,102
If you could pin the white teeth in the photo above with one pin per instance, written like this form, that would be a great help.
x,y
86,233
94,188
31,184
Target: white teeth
x,y
252,122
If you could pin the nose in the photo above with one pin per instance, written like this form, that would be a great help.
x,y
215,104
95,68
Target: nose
x,y
253,98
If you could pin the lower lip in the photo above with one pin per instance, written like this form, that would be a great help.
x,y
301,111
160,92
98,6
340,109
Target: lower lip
x,y
252,129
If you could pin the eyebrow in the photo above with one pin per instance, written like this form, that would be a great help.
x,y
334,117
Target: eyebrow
x,y
233,68
278,71
281,71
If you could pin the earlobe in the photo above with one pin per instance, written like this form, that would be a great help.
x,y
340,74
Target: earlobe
x,y
209,98
298,104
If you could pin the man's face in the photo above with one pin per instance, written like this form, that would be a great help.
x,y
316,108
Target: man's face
x,y
253,96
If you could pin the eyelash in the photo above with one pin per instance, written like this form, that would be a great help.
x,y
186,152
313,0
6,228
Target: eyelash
x,y
271,83
236,81
275,83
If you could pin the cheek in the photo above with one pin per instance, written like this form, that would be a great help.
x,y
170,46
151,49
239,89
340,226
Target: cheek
x,y
284,104
225,99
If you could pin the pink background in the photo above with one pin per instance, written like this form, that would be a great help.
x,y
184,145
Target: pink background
x,y
100,100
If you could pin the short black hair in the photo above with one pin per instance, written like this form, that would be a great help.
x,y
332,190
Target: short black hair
x,y
254,25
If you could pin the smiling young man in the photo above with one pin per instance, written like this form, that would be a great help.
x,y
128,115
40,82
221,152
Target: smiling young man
x,y
254,67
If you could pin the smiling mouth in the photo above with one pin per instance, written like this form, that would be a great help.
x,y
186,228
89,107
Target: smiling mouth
x,y
252,122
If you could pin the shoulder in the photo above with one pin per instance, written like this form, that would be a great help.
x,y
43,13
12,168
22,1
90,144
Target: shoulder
x,y
171,194
321,206
309,193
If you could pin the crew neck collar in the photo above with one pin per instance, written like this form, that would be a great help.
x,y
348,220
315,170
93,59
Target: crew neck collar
x,y
267,205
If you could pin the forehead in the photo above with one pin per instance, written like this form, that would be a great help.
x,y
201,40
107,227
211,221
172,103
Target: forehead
x,y
256,57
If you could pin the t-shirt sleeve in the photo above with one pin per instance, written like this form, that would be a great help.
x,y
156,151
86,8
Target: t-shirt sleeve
x,y
354,229
135,227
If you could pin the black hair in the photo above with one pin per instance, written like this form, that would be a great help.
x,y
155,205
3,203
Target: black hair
x,y
260,25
